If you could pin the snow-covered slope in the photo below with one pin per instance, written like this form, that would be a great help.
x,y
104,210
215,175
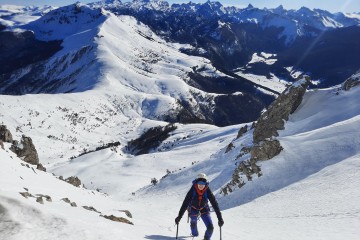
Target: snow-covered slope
x,y
309,191
25,218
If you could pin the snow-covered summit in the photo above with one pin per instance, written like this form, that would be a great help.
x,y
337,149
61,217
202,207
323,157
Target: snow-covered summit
x,y
65,21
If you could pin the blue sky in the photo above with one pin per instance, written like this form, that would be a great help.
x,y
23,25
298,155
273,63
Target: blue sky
x,y
330,5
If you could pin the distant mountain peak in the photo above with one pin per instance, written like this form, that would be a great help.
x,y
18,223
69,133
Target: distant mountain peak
x,y
55,24
305,10
280,8
250,6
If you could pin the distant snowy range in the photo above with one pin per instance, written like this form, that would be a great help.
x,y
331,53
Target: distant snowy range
x,y
109,110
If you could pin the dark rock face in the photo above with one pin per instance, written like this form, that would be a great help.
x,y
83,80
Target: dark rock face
x,y
149,140
242,131
266,150
278,112
265,146
5,134
26,150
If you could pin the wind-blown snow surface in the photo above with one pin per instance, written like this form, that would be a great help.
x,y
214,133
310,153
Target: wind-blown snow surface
x,y
309,191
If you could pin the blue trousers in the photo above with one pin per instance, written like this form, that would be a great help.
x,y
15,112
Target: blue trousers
x,y
206,218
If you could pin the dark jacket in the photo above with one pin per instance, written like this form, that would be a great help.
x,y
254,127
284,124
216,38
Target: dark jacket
x,y
192,200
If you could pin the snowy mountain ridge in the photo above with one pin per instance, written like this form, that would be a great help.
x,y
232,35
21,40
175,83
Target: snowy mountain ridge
x,y
78,16
294,22
278,17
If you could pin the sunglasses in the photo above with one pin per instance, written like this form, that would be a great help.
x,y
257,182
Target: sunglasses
x,y
201,183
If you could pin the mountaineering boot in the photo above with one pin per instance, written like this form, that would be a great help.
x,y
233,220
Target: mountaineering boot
x,y
194,235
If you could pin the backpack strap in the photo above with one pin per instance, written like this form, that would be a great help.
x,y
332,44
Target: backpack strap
x,y
201,193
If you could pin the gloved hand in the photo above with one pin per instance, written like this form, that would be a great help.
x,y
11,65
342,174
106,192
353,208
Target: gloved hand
x,y
221,222
177,219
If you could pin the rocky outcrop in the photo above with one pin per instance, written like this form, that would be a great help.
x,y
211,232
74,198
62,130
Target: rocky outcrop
x,y
266,150
25,150
117,219
90,208
278,112
127,212
40,200
5,134
39,197
47,197
352,81
265,146
40,167
26,194
75,181
242,131
229,147
67,200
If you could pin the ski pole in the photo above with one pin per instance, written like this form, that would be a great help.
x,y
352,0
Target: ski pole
x,y
177,230
220,234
